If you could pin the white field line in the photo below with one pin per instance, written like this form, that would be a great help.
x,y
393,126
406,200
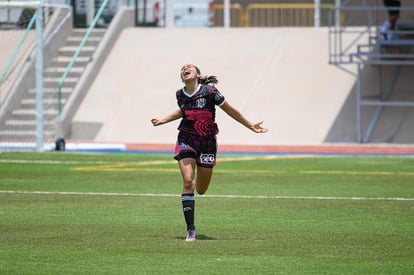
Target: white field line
x,y
207,196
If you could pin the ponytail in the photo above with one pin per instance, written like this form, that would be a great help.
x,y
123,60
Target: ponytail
x,y
207,79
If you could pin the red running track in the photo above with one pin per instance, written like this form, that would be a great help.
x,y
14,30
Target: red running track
x,y
331,149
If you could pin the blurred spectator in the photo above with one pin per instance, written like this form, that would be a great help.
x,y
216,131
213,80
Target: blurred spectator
x,y
387,30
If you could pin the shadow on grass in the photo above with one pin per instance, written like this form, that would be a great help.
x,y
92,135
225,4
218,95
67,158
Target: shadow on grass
x,y
200,237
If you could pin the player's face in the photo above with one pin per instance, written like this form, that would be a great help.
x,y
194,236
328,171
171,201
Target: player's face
x,y
189,72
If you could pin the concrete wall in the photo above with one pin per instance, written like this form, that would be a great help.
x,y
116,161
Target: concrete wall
x,y
281,76
395,124
26,77
66,128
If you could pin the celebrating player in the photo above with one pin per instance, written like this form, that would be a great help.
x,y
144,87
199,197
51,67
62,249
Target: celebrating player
x,y
196,145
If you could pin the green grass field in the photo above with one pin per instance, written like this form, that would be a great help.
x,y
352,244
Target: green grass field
x,y
64,213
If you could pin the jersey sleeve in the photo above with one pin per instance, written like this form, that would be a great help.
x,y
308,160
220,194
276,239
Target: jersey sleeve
x,y
178,97
219,99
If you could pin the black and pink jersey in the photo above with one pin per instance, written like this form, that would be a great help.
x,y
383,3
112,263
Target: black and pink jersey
x,y
199,110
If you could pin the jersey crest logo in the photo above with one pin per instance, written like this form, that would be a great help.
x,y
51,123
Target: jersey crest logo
x,y
201,102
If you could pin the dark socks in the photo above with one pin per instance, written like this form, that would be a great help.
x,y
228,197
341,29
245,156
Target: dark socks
x,y
188,201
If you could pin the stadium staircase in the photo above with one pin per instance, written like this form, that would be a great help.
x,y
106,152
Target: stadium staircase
x,y
381,64
19,124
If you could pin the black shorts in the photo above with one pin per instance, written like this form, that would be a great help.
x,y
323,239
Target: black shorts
x,y
201,148
393,4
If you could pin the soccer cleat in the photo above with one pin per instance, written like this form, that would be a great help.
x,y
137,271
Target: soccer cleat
x,y
191,236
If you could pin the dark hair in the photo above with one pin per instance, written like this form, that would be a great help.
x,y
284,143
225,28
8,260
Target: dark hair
x,y
206,79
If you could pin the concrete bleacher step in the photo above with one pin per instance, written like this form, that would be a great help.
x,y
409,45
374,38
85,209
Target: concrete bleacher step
x,y
15,126
82,31
48,78
70,51
18,123
30,114
49,93
31,102
76,40
53,85
21,122
33,112
50,82
81,61
52,90
58,71
23,135
62,69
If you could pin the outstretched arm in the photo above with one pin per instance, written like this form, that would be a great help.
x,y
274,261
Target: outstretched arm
x,y
235,114
171,117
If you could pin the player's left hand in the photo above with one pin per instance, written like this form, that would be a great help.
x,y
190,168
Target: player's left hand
x,y
257,128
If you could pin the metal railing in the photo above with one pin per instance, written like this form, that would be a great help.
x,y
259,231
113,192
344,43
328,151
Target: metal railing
x,y
273,15
359,41
236,14
76,54
284,15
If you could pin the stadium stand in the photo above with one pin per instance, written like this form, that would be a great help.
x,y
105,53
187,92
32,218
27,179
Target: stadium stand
x,y
384,98
283,76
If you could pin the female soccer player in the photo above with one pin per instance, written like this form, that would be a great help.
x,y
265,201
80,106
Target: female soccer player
x,y
196,145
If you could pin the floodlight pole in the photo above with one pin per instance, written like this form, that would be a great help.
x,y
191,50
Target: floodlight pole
x,y
337,13
39,79
169,14
317,19
226,13
90,11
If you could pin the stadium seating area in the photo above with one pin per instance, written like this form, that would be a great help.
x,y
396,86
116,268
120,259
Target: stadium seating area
x,y
280,75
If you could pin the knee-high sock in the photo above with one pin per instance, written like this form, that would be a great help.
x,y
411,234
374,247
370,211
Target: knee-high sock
x,y
188,201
